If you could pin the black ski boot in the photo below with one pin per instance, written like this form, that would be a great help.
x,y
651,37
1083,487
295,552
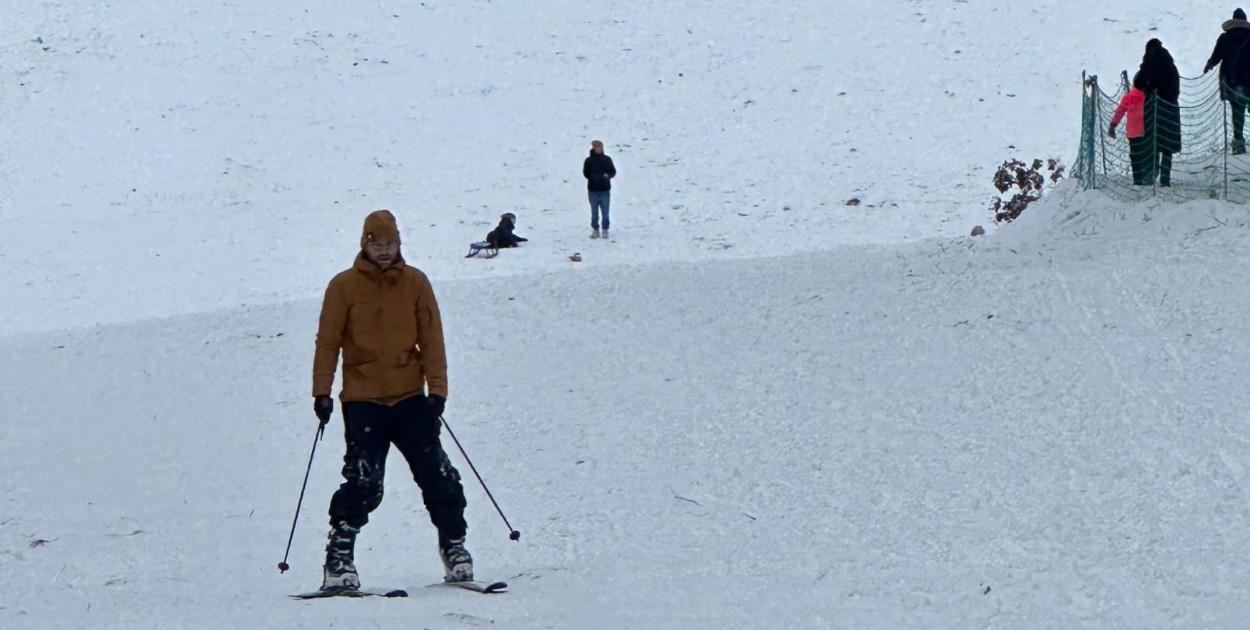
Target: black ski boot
x,y
340,569
456,560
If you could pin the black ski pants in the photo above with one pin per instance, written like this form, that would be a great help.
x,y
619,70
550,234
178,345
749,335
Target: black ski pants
x,y
370,429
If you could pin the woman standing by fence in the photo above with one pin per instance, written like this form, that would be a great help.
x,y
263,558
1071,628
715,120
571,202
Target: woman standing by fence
x,y
1161,83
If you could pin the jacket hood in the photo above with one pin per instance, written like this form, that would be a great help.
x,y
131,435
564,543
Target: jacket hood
x,y
1157,55
380,225
1232,24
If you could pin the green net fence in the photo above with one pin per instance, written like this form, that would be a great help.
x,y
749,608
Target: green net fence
x,y
1210,163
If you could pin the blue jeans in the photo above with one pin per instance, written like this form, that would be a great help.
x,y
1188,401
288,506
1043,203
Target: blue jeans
x,y
599,200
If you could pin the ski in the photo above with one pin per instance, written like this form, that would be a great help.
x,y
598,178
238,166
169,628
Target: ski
x,y
486,588
352,592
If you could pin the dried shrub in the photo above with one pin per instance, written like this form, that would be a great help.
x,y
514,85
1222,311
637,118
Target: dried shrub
x,y
1026,180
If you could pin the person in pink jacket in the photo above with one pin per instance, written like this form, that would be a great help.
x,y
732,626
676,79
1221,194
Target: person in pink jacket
x,y
1133,106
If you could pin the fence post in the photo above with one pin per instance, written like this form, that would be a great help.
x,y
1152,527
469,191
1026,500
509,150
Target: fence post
x,y
1227,112
1090,132
1154,143
1098,126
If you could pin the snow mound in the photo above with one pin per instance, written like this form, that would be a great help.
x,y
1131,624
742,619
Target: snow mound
x,y
1070,212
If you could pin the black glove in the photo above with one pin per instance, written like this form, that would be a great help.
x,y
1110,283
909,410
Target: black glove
x,y
323,406
437,405
1207,68
1111,131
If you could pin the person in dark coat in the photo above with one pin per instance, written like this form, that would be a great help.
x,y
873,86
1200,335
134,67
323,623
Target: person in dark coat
x,y
1161,82
598,170
502,235
1233,88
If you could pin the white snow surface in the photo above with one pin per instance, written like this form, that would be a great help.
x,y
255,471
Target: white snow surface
x,y
756,407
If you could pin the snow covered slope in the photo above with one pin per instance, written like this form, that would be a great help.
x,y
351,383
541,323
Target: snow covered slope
x,y
735,415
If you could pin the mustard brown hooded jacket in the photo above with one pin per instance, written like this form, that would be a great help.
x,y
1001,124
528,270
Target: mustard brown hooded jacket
x,y
387,324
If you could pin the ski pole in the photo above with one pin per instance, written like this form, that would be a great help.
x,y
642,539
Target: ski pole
x,y
512,533
283,566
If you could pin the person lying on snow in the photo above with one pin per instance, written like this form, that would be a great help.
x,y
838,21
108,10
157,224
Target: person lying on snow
x,y
502,235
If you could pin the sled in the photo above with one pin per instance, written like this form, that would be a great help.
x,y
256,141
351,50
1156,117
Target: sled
x,y
482,246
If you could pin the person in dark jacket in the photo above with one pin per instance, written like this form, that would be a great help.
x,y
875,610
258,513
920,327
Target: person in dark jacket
x,y
1161,82
598,171
502,235
1228,48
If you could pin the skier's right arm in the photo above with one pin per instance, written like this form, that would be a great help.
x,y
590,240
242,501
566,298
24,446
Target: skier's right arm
x,y
329,339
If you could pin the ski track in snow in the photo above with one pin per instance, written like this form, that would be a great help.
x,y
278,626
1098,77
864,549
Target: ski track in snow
x,y
894,428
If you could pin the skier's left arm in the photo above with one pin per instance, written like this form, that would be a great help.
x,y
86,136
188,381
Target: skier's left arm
x,y
430,341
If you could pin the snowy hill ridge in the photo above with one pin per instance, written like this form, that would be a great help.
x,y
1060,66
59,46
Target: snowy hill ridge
x,y
1068,212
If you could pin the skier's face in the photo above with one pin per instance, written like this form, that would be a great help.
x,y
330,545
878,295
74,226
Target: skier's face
x,y
382,253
